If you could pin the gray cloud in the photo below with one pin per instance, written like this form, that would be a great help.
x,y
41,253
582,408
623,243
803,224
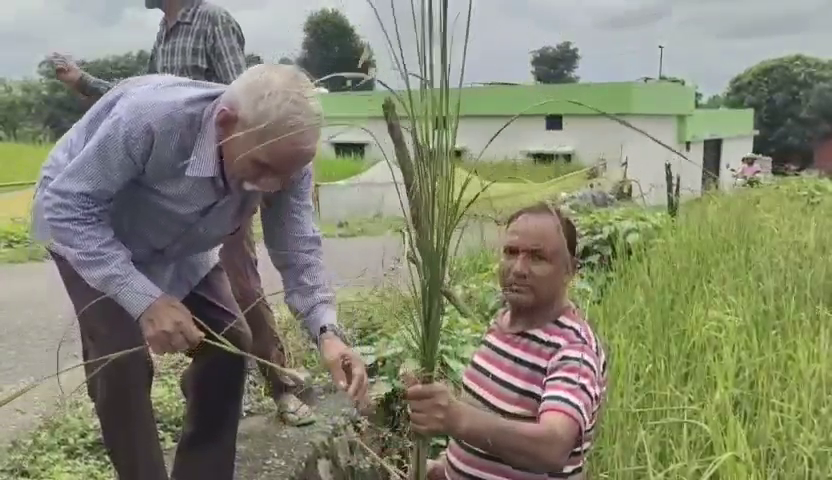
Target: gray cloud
x,y
637,17
707,41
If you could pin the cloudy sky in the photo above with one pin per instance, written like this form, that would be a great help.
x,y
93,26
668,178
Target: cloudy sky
x,y
707,41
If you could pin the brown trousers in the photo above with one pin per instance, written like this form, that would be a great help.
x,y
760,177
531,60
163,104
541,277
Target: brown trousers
x,y
238,257
213,383
119,387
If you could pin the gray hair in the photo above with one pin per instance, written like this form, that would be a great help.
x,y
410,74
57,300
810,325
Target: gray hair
x,y
279,99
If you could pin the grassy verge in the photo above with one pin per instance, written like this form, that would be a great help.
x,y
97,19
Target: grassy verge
x,y
67,445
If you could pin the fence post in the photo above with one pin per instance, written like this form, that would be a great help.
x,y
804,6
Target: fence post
x,y
316,199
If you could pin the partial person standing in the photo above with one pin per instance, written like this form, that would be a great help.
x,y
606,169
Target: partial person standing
x,y
133,204
202,41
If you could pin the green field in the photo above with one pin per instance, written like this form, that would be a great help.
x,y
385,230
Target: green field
x,y
21,163
520,170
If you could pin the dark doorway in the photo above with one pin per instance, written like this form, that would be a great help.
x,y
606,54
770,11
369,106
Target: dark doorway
x,y
711,164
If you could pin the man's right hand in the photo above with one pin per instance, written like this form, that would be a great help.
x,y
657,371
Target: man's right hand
x,y
168,326
66,70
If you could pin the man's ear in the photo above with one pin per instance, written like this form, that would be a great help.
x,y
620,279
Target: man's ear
x,y
226,120
574,263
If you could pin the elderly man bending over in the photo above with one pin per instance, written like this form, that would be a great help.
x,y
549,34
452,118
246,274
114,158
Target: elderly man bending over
x,y
134,201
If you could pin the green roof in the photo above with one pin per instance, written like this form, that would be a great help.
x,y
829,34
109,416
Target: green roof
x,y
706,124
620,98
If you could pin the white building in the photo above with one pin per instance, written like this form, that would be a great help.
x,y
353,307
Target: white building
x,y
564,122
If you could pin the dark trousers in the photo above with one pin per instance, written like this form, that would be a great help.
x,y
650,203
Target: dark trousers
x,y
212,384
238,257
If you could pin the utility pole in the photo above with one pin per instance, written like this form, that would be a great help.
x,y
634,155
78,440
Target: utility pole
x,y
661,60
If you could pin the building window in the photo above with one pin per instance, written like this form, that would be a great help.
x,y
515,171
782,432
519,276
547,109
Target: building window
x,y
349,149
547,158
554,122
544,158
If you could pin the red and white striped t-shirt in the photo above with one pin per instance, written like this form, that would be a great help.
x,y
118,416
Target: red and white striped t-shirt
x,y
560,367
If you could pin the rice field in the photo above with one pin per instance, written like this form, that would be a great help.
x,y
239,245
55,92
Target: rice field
x,y
719,341
520,170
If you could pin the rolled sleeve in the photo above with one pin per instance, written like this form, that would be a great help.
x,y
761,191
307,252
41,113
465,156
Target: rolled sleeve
x,y
296,249
573,386
76,207
93,86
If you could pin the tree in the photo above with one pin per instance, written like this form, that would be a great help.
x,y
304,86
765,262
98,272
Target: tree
x,y
556,64
118,67
57,109
779,91
331,45
818,113
286,61
714,101
14,110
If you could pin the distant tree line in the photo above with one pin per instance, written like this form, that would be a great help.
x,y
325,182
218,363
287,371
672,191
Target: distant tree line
x,y
41,109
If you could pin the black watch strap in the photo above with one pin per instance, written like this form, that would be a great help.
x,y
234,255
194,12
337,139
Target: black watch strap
x,y
333,329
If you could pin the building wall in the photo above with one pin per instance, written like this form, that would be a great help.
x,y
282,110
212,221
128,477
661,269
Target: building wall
x,y
733,149
592,137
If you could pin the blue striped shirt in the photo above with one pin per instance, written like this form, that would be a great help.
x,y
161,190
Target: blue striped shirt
x,y
134,198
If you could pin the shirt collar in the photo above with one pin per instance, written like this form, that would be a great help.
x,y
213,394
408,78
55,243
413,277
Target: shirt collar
x,y
186,15
205,159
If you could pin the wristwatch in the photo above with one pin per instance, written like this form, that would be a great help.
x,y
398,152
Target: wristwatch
x,y
333,329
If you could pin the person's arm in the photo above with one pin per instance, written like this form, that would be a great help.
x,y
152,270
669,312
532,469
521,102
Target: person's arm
x,y
93,87
572,391
295,247
226,47
76,206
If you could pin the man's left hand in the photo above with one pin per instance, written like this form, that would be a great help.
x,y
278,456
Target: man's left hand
x,y
433,408
345,366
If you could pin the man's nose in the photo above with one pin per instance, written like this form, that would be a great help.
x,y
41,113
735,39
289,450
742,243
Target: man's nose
x,y
520,266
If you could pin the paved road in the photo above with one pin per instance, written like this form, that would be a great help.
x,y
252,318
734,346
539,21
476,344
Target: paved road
x,y
35,315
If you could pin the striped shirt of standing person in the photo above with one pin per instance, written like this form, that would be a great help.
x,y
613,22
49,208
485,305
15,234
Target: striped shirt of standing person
x,y
204,43
520,376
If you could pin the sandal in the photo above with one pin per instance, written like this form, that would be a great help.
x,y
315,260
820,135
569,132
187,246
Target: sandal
x,y
297,378
293,412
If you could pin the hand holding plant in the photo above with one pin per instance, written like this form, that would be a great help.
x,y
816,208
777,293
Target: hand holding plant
x,y
346,367
169,327
433,408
